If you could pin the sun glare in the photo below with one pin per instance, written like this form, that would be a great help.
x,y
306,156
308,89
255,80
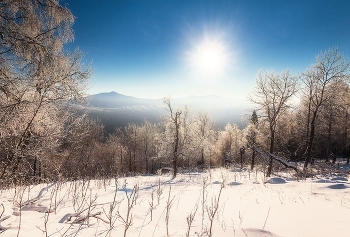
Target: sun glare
x,y
208,57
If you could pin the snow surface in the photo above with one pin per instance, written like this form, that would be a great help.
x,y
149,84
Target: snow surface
x,y
249,205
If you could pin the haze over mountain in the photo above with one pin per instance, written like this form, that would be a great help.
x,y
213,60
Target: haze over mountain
x,y
117,110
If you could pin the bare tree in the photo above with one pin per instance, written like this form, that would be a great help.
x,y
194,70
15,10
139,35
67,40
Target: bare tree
x,y
175,121
272,95
318,81
190,218
131,198
132,133
344,107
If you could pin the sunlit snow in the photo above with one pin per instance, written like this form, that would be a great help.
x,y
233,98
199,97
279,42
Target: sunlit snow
x,y
249,205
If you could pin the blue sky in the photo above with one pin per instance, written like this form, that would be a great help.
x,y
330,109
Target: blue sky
x,y
149,49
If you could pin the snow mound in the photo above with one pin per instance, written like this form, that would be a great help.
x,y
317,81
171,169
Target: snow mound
x,y
254,232
127,190
234,183
338,186
322,181
276,180
339,179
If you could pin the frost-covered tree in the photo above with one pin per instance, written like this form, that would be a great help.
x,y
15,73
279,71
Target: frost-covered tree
x,y
149,143
318,81
81,150
229,142
344,112
173,122
204,137
251,135
272,95
35,74
132,132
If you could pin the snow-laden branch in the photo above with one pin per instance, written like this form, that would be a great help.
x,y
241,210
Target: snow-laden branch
x,y
267,155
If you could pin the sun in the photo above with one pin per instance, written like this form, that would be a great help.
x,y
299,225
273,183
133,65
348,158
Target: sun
x,y
208,57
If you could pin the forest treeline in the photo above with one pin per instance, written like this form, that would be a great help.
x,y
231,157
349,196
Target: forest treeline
x,y
301,117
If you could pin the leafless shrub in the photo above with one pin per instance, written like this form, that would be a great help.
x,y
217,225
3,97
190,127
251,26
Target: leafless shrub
x,y
204,197
267,216
151,204
48,211
213,208
110,217
159,192
190,219
19,203
78,202
131,199
169,204
57,200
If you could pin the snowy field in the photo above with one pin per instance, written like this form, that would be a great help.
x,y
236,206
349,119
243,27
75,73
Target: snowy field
x,y
222,202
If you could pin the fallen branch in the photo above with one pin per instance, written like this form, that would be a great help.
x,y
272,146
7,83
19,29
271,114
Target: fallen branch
x,y
68,216
40,194
267,155
2,228
81,218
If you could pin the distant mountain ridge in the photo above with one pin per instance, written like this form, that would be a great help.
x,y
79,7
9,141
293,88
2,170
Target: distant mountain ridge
x,y
117,110
116,100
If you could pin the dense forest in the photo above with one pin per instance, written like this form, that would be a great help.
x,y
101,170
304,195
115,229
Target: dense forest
x,y
297,118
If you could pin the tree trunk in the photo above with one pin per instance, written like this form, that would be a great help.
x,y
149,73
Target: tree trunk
x,y
272,141
121,161
345,139
310,141
329,140
134,163
176,146
202,153
334,154
130,165
241,160
241,152
253,160
35,167
308,116
146,157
